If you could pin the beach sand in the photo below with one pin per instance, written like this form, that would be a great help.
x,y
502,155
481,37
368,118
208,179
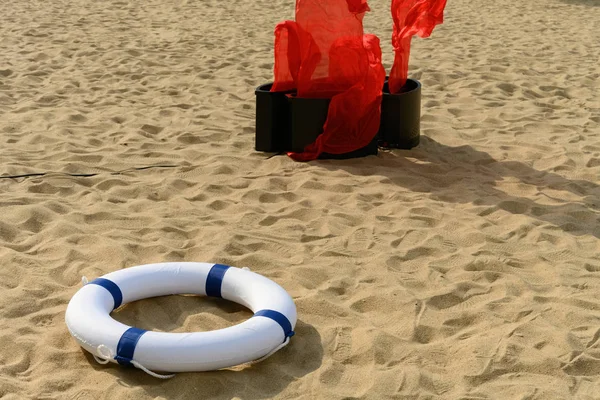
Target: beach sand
x,y
466,268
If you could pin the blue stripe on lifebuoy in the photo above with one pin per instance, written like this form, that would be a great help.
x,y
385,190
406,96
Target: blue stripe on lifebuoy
x,y
214,280
126,346
279,318
112,288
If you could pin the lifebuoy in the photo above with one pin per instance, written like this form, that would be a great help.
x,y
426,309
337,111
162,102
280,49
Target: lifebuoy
x,y
89,322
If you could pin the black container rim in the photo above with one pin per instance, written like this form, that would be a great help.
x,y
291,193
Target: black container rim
x,y
415,83
265,88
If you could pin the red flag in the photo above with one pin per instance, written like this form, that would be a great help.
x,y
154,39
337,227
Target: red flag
x,y
411,17
324,53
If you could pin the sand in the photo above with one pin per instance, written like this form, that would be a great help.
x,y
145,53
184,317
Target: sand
x,y
466,268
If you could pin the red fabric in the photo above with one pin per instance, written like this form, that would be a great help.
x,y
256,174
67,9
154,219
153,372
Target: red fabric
x,y
411,17
324,53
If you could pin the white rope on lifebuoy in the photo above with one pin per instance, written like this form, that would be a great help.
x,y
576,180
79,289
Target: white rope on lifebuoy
x,y
281,346
105,355
154,374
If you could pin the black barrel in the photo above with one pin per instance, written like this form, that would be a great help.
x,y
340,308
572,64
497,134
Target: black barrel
x,y
308,115
285,123
401,116
272,120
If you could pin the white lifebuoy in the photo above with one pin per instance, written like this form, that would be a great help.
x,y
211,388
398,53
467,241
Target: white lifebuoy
x,y
89,322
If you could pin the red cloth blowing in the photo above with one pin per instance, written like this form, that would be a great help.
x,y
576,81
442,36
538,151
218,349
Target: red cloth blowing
x,y
411,17
324,53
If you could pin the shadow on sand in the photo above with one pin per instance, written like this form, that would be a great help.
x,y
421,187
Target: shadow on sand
x,y
465,175
589,3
